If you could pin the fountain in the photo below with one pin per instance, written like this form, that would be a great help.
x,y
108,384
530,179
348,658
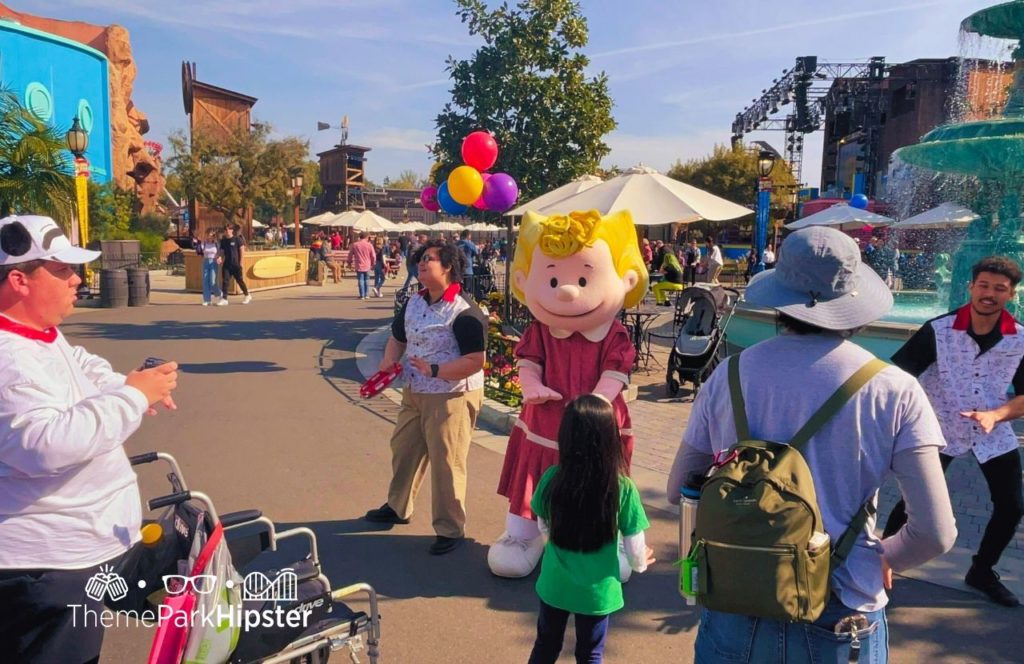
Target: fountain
x,y
991,151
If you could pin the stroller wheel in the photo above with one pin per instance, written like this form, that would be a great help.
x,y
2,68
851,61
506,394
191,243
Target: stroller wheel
x,y
672,386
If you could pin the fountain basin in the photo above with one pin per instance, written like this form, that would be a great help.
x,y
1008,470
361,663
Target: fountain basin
x,y
988,149
1005,21
751,324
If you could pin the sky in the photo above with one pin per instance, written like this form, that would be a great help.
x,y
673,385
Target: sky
x,y
678,70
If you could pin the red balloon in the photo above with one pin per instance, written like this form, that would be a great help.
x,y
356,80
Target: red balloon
x,y
480,150
480,204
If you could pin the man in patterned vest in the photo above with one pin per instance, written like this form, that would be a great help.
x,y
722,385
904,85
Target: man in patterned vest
x,y
967,360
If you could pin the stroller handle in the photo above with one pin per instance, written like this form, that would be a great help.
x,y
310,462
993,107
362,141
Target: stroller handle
x,y
171,499
150,457
182,496
145,457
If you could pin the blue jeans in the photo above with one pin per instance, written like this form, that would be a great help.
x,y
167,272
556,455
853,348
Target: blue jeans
x,y
727,637
414,273
362,279
591,632
209,278
378,277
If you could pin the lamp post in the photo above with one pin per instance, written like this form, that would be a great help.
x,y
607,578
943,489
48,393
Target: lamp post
x,y
297,188
765,163
78,142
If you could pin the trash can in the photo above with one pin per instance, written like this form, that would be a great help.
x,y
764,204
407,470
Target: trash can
x,y
138,286
113,288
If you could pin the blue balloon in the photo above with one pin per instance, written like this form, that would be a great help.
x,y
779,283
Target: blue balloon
x,y
859,201
447,203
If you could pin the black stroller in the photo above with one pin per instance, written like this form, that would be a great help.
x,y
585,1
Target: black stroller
x,y
272,582
702,314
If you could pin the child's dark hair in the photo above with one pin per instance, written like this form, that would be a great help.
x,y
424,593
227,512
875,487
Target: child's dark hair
x,y
583,496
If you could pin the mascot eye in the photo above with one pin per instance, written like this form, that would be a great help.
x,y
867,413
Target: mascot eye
x,y
554,282
583,282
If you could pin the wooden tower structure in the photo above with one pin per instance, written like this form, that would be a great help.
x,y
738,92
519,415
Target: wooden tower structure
x,y
342,174
218,114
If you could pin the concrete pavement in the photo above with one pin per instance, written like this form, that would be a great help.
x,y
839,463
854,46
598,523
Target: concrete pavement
x,y
273,420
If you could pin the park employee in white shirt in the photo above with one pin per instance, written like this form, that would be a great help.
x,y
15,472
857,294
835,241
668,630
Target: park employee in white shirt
x,y
69,500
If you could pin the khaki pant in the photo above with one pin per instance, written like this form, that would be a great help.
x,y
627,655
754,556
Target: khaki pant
x,y
434,429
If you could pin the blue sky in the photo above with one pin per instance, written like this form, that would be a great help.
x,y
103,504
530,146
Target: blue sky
x,y
678,70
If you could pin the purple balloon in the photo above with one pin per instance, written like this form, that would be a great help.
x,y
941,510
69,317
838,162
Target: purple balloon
x,y
500,192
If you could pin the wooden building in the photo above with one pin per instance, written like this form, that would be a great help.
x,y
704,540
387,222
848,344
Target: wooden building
x,y
343,178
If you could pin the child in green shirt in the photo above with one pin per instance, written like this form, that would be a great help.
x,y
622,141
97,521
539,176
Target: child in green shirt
x,y
583,505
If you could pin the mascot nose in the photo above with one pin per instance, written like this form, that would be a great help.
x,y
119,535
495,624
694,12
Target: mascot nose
x,y
567,293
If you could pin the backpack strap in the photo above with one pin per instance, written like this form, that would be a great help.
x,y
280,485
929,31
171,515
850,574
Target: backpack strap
x,y
739,409
835,402
849,537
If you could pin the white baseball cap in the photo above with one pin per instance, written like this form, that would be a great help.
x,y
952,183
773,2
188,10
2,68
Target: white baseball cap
x,y
32,237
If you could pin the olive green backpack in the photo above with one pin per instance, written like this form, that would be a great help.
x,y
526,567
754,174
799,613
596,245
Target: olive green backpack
x,y
759,546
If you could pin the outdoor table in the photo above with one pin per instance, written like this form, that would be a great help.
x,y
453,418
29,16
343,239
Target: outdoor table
x,y
639,320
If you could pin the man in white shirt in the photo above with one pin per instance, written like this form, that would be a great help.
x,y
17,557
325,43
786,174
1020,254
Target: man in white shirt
x,y
714,260
69,500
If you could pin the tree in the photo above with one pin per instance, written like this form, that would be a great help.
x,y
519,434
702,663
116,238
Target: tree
x,y
111,211
407,179
245,169
527,85
35,166
732,174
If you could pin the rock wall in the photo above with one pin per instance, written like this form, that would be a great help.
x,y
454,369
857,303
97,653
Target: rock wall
x,y
134,166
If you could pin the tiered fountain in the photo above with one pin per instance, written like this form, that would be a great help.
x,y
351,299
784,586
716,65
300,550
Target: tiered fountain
x,y
990,150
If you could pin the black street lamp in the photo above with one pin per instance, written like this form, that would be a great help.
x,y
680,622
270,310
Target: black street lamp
x,y
765,163
77,138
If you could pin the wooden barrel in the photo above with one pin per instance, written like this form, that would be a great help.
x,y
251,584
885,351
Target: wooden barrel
x,y
113,288
138,286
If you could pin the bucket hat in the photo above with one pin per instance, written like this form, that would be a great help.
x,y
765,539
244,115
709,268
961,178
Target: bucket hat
x,y
820,279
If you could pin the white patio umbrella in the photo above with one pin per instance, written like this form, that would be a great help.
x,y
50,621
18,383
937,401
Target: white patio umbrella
x,y
318,219
652,198
345,219
372,222
256,223
412,227
843,217
947,215
581,183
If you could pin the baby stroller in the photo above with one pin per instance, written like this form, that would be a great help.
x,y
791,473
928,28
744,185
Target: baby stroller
x,y
315,621
702,314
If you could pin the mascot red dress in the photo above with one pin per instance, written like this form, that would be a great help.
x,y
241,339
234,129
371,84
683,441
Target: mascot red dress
x,y
574,273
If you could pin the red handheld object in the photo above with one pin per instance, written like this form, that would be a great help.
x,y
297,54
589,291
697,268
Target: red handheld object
x,y
376,383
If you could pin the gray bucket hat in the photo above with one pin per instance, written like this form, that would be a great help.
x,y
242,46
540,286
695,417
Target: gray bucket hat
x,y
819,279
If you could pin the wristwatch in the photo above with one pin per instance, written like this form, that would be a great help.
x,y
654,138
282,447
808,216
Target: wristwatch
x,y
433,370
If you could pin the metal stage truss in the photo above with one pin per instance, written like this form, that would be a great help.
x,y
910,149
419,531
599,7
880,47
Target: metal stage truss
x,y
810,87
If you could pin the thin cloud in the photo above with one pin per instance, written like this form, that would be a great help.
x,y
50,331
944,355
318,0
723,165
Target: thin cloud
x,y
768,30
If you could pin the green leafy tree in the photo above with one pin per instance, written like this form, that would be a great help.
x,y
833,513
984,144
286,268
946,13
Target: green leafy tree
x,y
528,86
732,174
111,211
248,168
35,166
407,179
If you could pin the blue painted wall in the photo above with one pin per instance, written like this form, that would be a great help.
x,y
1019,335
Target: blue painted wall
x,y
60,79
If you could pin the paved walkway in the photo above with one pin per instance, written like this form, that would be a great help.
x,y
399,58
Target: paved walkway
x,y
269,417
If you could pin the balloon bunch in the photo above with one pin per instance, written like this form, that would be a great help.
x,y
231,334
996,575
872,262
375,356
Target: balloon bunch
x,y
471,184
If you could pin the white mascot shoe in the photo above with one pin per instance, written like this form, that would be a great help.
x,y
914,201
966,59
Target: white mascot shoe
x,y
514,558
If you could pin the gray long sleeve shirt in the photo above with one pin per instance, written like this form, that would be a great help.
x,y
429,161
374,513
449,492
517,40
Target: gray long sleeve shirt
x,y
888,426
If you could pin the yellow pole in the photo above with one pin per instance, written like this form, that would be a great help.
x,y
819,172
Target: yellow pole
x,y
82,193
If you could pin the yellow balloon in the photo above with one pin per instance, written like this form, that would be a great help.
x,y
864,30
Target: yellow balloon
x,y
465,185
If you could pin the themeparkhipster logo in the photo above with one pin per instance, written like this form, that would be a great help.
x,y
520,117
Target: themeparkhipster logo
x,y
220,614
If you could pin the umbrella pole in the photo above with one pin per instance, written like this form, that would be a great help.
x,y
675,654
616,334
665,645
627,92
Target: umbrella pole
x,y
506,304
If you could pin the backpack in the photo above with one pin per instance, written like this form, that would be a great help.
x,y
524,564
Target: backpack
x,y
759,546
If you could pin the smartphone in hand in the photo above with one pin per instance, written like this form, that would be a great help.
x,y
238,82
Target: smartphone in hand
x,y
152,362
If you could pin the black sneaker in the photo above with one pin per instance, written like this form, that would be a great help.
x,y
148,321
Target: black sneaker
x,y
987,581
384,514
443,545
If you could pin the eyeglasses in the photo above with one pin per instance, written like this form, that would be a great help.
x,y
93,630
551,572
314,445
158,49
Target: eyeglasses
x,y
176,584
